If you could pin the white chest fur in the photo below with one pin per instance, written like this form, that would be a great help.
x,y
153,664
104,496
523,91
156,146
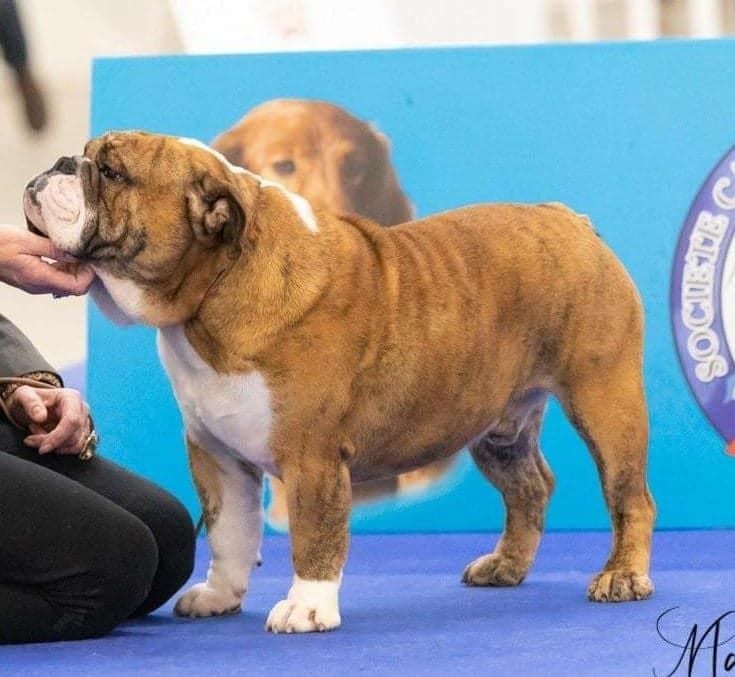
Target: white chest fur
x,y
225,413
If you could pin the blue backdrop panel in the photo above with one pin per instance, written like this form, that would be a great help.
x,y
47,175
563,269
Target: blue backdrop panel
x,y
623,132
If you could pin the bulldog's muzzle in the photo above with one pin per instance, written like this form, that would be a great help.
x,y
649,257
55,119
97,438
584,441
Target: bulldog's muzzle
x,y
55,204
31,206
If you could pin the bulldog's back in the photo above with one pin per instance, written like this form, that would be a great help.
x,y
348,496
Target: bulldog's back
x,y
519,272
461,315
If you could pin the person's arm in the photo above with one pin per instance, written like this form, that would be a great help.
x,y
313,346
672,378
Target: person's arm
x,y
19,357
58,418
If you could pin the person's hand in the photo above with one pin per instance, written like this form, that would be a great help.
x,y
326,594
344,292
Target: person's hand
x,y
21,265
58,418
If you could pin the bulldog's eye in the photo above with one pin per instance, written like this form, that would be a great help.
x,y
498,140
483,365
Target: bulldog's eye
x,y
110,173
284,167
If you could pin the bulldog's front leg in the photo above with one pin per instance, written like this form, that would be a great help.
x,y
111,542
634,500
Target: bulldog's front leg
x,y
319,498
230,494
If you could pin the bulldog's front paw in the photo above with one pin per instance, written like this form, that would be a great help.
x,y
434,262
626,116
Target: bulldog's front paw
x,y
494,570
204,600
311,606
619,586
288,616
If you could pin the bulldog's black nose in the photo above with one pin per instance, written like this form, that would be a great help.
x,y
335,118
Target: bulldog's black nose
x,y
65,165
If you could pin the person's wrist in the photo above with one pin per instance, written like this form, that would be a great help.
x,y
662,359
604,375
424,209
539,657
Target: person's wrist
x,y
7,389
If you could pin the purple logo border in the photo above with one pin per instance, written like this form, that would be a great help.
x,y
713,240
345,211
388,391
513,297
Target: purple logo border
x,y
712,396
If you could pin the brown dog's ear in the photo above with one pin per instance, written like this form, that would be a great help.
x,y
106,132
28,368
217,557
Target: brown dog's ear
x,y
379,195
382,138
230,145
215,214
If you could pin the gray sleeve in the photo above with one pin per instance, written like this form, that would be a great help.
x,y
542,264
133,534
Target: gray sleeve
x,y
17,354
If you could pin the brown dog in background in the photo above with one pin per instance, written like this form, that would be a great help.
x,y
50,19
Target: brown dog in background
x,y
320,151
339,164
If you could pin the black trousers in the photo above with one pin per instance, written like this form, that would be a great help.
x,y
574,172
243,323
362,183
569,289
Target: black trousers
x,y
83,545
12,40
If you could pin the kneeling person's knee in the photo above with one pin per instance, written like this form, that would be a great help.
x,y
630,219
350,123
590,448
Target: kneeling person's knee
x,y
112,584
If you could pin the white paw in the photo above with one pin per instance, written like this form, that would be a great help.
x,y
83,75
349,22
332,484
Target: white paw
x,y
204,600
311,606
288,616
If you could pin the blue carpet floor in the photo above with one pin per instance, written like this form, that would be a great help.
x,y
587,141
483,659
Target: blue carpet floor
x,y
405,612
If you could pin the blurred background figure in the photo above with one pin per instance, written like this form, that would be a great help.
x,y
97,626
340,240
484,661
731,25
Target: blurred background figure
x,y
15,51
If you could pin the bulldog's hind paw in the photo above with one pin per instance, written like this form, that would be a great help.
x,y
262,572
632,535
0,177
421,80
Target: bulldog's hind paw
x,y
619,586
204,600
494,570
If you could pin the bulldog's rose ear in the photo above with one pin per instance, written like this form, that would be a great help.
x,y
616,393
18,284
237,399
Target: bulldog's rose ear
x,y
214,212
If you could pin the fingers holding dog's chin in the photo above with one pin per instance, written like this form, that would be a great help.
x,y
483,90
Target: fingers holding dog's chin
x,y
60,279
80,276
62,256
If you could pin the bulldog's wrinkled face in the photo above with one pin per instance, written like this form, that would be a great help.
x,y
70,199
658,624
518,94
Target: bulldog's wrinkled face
x,y
146,211
318,150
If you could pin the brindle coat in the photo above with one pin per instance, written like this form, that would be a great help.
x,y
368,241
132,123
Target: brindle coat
x,y
342,165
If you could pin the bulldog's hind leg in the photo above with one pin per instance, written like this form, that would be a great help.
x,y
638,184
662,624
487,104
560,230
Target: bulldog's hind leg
x,y
230,494
525,480
609,411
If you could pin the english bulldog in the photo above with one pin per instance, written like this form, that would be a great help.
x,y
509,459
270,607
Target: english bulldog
x,y
326,349
340,164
